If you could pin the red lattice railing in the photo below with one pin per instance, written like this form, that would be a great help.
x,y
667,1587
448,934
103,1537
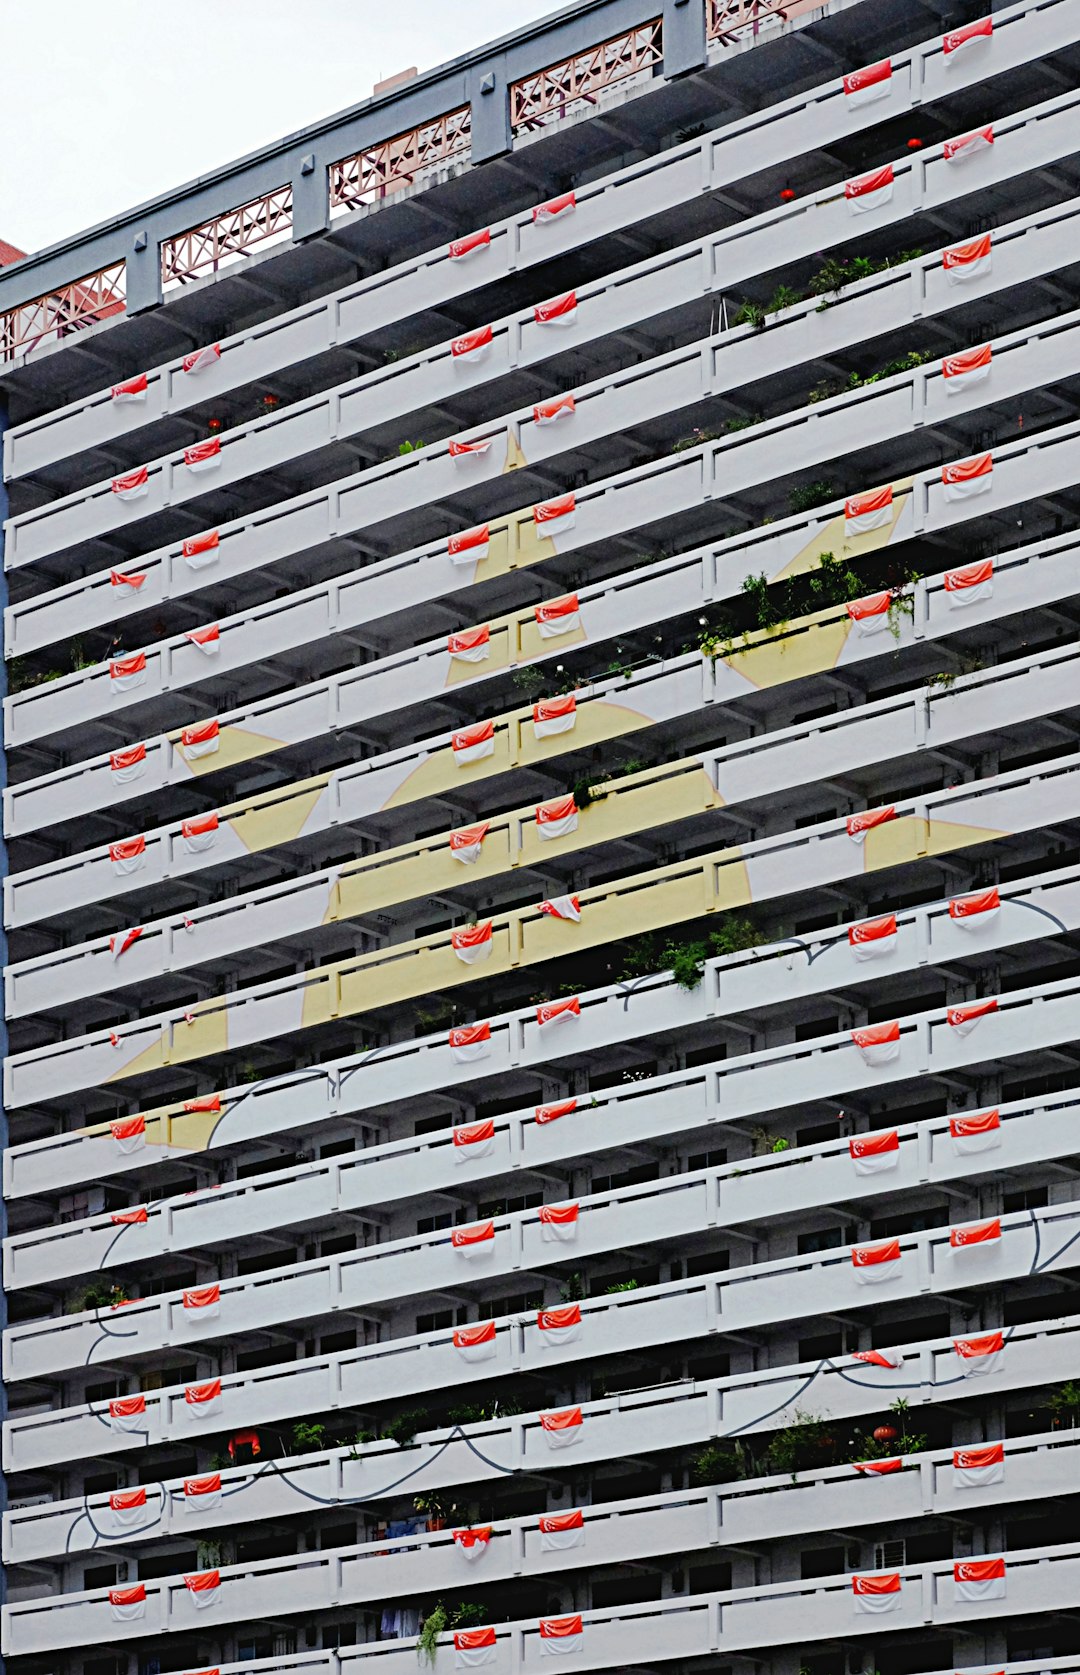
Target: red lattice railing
x,y
394,164
224,238
551,93
730,19
59,313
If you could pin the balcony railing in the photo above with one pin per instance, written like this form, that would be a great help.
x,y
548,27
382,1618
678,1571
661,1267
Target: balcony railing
x,y
226,239
580,82
732,21
59,314
381,170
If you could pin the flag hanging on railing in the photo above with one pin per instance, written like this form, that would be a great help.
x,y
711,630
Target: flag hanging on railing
x,y
128,1605
472,943
963,1019
472,744
127,1413
469,1042
132,389
201,550
874,1264
127,856
472,1544
204,1102
557,311
869,191
561,1530
555,208
555,517
137,1217
129,1133
875,1594
470,645
202,1302
563,1427
874,939
971,260
558,1223
976,1233
979,908
878,1468
558,616
559,1325
976,1580
203,456
874,1154
558,1011
476,1343
127,672
889,1358
556,408
864,512
971,584
471,450
980,1132
552,716
870,615
472,346
201,739
466,844
965,478
551,1113
199,833
128,1506
478,1240
980,1355
557,818
979,1467
204,1587
878,1043
123,940
970,366
967,145
561,1635
862,87
207,640
955,43
131,580
203,1400
473,1647
470,244
474,1139
200,359
468,546
133,485
562,907
202,1494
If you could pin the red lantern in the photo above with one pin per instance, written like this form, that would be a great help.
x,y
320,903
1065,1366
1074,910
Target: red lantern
x,y
787,195
885,1433
914,145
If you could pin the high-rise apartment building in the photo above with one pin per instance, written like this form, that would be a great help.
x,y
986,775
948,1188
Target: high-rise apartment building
x,y
542,881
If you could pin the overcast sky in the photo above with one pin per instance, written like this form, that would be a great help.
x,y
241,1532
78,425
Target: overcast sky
x,y
104,105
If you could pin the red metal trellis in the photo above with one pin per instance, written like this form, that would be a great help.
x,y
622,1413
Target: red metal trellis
x,y
729,19
59,313
551,93
206,248
396,163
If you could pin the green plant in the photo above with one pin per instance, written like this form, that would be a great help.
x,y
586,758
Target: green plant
x,y
719,1462
210,1554
694,440
468,1613
824,391
733,935
766,1144
620,1285
529,681
433,1625
804,1443
1064,1403
307,1438
572,1289
404,1426
783,297
99,1294
749,314
806,496
744,421
410,447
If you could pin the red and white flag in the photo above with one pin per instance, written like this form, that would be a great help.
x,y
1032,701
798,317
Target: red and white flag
x,y
980,1355
129,1133
889,1358
557,1011
200,359
976,1580
869,191
558,817
470,645
133,485
472,943
558,1223
201,550
476,1343
123,940
979,1467
550,412
971,584
127,672
967,477
562,1428
467,843
202,1493
552,716
127,1413
964,1018
199,833
203,739
470,1042
471,450
980,908
132,389
875,1594
976,1233
878,1468
970,366
470,245
980,1132
971,260
878,1043
203,456
966,145
203,1400
478,1240
560,1325
956,42
471,744
204,1102
551,1113
474,1139
137,1217
473,1647
128,1506
557,311
204,1586
555,517
127,856
468,546
472,346
864,512
563,907
128,1605
873,1264
561,1635
561,1530
874,1154
472,1544
874,939
202,1302
558,616
862,87
131,580
870,615
208,639
554,209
